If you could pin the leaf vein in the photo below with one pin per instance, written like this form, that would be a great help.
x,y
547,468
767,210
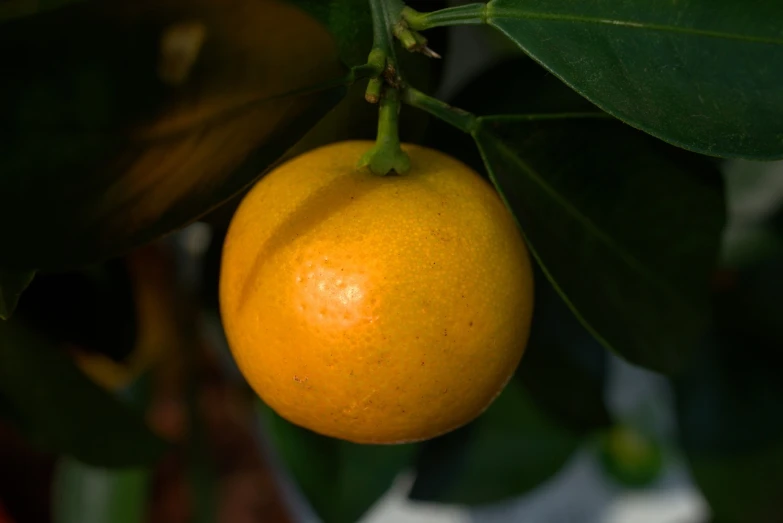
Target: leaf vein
x,y
629,259
495,14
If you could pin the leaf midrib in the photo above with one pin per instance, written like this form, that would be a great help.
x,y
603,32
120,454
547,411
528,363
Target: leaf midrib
x,y
495,13
629,259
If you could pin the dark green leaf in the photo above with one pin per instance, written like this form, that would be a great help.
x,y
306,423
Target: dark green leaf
x,y
511,449
12,285
65,412
626,227
121,121
86,494
704,75
341,480
564,367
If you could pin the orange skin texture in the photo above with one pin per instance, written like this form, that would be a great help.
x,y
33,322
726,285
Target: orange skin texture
x,y
375,309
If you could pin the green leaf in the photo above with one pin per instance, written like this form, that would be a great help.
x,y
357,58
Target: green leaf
x,y
125,120
63,411
704,75
626,227
341,480
564,368
12,285
86,494
510,450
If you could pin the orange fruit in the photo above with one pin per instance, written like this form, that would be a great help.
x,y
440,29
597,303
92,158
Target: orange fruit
x,y
375,309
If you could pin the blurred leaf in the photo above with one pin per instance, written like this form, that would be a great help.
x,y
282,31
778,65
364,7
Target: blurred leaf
x,y
704,75
510,450
121,121
341,480
626,227
515,85
631,458
12,285
564,367
85,494
727,402
65,412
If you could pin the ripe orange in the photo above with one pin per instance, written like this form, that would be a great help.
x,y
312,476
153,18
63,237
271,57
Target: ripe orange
x,y
375,309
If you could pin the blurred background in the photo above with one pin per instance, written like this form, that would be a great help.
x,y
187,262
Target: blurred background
x,y
580,435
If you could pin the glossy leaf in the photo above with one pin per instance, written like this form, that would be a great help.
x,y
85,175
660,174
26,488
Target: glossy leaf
x,y
341,480
12,284
86,494
122,121
63,411
704,75
564,368
511,449
627,228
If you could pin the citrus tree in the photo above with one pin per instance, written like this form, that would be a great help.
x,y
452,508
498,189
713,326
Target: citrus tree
x,y
571,193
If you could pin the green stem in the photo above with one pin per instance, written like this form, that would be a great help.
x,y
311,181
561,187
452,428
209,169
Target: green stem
x,y
460,15
386,155
385,14
367,70
462,120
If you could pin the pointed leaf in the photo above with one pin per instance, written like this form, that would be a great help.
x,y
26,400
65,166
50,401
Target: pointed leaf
x,y
65,412
12,285
626,227
704,74
125,120
341,480
511,449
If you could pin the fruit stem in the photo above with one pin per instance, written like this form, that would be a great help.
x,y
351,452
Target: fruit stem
x,y
386,155
459,15
459,118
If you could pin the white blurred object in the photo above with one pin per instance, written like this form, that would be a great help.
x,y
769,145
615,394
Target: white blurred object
x,y
395,507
